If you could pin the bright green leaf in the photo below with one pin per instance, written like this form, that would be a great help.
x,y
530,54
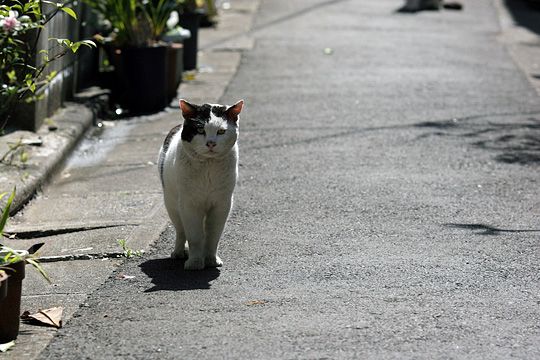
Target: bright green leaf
x,y
69,11
74,47
5,213
12,76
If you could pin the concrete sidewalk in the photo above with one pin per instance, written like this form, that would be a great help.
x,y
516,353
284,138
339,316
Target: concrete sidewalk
x,y
107,188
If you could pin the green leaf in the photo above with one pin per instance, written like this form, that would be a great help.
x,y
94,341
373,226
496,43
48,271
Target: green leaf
x,y
24,154
5,214
69,11
51,75
31,85
74,47
39,268
12,76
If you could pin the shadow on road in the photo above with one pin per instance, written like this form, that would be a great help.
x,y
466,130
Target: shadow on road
x,y
169,274
524,14
487,229
514,140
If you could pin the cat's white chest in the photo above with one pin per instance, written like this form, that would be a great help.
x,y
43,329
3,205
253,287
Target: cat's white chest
x,y
209,175
204,182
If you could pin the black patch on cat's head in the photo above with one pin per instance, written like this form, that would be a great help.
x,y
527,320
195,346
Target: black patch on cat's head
x,y
196,120
219,110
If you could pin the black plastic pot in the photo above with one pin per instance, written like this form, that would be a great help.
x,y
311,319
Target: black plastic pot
x,y
191,21
3,285
141,78
175,66
10,306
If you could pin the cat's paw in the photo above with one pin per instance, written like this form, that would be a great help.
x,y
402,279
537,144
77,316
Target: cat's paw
x,y
213,261
194,264
178,254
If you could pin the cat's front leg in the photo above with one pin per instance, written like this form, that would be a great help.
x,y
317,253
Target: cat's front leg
x,y
193,227
180,249
214,225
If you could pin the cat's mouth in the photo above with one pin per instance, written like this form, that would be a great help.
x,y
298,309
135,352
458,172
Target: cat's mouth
x,y
210,153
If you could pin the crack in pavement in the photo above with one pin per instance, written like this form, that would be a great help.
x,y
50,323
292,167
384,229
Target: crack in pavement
x,y
36,234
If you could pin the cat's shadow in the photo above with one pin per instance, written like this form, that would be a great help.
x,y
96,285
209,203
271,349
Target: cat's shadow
x,y
169,274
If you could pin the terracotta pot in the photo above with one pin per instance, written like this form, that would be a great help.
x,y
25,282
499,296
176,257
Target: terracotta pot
x,y
10,306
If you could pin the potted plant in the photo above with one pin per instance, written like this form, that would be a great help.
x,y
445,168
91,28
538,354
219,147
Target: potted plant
x,y
135,50
191,13
210,17
12,266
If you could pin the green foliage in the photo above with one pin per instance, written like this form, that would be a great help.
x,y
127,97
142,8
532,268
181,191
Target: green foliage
x,y
128,252
158,14
8,255
21,24
135,23
17,151
5,212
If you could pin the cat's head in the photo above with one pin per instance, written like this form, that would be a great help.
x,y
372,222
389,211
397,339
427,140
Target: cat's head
x,y
210,130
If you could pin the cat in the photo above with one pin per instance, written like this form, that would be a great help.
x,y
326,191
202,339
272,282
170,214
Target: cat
x,y
198,167
418,5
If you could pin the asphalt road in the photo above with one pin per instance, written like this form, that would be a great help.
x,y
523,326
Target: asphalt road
x,y
387,205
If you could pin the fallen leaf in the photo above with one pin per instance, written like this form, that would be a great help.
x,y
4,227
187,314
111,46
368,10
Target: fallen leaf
x,y
5,347
47,317
189,76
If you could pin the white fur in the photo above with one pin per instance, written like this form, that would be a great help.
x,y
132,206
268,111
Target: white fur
x,y
198,186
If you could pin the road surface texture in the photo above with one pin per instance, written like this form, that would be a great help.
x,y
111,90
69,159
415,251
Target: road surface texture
x,y
387,205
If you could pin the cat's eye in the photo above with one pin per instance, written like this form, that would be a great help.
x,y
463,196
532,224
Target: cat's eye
x,y
221,131
200,130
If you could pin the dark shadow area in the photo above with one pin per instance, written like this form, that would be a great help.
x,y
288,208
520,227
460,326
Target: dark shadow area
x,y
526,13
448,5
518,143
514,140
445,124
405,10
488,229
169,274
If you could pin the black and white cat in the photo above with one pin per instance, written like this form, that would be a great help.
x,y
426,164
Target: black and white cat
x,y
198,166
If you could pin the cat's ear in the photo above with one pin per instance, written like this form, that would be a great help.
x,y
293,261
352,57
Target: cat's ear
x,y
188,110
233,111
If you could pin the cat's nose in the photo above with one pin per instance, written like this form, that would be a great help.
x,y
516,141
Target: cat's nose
x,y
210,144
